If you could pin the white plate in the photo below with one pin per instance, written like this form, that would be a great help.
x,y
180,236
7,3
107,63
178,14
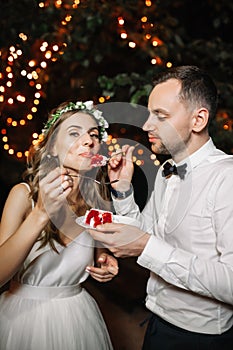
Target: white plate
x,y
116,218
81,221
125,220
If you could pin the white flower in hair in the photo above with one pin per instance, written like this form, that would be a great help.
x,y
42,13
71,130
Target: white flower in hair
x,y
104,136
89,105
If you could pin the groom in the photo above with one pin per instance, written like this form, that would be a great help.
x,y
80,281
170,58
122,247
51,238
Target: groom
x,y
185,237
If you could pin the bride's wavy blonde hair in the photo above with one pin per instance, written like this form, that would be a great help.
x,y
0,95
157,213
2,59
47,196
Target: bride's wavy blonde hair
x,y
41,162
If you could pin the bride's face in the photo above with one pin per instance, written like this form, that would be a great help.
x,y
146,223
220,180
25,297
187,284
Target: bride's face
x,y
77,141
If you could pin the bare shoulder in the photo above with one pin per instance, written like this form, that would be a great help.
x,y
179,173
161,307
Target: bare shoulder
x,y
19,199
21,187
16,208
22,190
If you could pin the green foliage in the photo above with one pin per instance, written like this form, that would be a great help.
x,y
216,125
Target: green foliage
x,y
98,62
135,85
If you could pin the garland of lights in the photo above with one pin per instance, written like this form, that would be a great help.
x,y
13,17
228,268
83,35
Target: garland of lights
x,y
35,71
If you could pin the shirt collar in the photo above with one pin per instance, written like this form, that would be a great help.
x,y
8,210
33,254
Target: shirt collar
x,y
197,157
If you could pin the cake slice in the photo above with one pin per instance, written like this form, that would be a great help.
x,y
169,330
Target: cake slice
x,y
94,217
98,160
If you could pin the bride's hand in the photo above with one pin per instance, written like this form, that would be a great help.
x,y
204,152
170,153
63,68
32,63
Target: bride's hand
x,y
53,190
108,268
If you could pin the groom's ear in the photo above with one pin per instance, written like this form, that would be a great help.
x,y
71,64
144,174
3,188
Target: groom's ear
x,y
200,120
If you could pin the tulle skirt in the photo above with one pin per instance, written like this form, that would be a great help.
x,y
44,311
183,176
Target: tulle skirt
x,y
53,318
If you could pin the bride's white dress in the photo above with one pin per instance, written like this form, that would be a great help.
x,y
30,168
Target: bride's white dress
x,y
46,307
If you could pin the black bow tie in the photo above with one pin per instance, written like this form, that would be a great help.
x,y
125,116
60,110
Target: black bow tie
x,y
169,170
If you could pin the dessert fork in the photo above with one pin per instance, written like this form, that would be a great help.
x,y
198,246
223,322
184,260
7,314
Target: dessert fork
x,y
96,181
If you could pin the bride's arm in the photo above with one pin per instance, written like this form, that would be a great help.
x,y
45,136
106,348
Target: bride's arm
x,y
18,231
21,226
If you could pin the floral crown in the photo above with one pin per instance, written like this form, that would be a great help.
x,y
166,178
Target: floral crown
x,y
87,106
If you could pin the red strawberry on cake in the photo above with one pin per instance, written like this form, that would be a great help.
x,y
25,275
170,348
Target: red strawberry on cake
x,y
96,217
98,160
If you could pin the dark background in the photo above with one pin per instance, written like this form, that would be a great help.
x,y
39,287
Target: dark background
x,y
94,62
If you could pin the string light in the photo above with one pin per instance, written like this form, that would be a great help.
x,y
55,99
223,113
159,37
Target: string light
x,y
33,70
124,35
132,44
101,99
36,67
148,30
148,3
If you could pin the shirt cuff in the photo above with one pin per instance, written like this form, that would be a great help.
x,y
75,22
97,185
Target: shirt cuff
x,y
124,205
155,254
